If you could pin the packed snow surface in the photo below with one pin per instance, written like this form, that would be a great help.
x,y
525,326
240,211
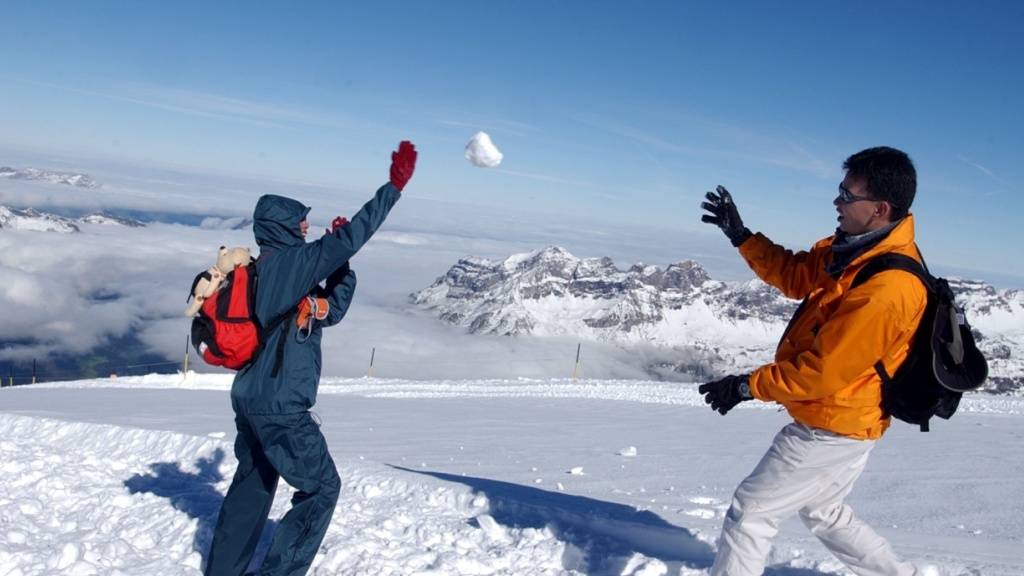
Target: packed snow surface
x,y
125,476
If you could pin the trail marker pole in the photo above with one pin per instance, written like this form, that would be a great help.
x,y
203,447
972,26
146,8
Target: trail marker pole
x,y
369,371
576,367
184,370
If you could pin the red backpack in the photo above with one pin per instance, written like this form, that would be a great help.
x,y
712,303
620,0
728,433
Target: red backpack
x,y
226,332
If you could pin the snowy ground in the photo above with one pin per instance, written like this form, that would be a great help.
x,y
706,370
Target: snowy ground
x,y
478,477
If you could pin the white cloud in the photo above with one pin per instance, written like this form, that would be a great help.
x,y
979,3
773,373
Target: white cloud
x,y
399,238
210,105
547,178
499,125
718,140
72,292
986,171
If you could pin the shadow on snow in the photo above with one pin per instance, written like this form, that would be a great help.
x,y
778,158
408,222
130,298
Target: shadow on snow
x,y
196,495
600,536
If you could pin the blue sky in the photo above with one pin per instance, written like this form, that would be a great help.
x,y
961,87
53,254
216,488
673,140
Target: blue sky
x,y
621,111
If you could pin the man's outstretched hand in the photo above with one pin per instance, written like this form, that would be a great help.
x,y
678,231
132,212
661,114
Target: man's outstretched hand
x,y
723,395
403,164
723,213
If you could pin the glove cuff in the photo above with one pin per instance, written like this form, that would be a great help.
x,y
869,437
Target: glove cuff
x,y
744,389
740,236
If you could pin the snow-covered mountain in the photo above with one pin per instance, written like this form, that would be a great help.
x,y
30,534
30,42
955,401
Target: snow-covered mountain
x,y
32,219
110,220
722,326
29,219
233,223
68,178
718,327
997,317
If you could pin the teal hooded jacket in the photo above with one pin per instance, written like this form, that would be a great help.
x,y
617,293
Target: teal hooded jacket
x,y
284,377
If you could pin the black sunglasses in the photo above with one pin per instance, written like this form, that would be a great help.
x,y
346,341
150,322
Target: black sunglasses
x,y
847,197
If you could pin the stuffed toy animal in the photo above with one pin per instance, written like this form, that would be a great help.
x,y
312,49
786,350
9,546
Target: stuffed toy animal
x,y
207,283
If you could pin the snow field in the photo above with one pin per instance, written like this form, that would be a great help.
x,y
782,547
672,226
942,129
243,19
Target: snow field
x,y
486,477
647,392
65,508
89,499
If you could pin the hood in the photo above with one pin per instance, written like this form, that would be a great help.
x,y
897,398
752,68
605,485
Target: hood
x,y
276,222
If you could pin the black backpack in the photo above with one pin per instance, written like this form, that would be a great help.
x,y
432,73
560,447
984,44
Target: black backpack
x,y
943,362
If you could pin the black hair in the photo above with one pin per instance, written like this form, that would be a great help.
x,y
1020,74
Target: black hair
x,y
889,174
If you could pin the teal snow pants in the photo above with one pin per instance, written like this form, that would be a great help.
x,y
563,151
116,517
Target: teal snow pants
x,y
268,447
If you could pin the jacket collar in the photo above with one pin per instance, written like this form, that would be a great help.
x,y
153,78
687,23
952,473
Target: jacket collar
x,y
899,239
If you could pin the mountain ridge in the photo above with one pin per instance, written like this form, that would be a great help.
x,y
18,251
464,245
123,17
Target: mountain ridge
x,y
718,327
77,179
34,220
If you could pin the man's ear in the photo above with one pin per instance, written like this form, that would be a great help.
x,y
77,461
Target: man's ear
x,y
884,211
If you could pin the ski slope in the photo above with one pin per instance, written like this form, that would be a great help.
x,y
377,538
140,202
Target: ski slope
x,y
125,477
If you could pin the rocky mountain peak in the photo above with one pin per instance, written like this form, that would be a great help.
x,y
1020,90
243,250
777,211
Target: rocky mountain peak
x,y
30,219
54,177
720,327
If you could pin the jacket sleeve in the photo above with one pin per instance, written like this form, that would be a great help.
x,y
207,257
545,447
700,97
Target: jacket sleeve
x,y
339,296
796,275
869,322
291,274
338,247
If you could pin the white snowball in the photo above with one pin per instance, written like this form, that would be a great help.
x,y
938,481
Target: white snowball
x,y
482,152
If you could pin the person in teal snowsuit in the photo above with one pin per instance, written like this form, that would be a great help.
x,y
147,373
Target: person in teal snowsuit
x,y
276,435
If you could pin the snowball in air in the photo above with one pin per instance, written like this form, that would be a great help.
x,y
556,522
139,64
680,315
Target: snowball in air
x,y
482,152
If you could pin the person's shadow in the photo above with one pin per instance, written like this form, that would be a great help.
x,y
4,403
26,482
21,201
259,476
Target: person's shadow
x,y
196,495
601,536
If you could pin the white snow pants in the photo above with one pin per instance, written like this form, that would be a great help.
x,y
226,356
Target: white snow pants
x,y
807,471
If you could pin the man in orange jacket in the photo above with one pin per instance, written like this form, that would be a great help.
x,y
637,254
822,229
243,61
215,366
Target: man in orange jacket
x,y
823,373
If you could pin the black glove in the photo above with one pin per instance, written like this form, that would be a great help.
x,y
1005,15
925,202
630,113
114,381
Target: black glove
x,y
725,216
335,278
723,395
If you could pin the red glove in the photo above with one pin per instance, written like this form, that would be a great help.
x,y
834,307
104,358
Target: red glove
x,y
403,163
338,222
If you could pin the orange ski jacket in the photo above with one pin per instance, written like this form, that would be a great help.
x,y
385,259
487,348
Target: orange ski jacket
x,y
823,371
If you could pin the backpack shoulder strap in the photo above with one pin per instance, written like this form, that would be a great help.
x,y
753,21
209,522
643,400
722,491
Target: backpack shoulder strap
x,y
279,322
894,262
